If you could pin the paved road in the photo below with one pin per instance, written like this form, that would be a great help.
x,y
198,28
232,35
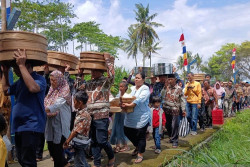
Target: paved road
x,y
150,158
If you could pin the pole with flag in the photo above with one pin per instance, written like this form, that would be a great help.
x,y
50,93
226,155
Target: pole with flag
x,y
233,60
233,64
184,51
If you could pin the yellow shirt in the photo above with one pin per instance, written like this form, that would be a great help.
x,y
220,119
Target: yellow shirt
x,y
3,152
193,94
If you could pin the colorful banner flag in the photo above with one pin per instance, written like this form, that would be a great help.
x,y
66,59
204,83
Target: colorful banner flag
x,y
184,51
233,59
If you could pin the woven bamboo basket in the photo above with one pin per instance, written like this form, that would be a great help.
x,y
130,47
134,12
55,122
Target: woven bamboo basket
x,y
92,60
75,72
60,59
34,44
115,102
199,77
128,100
41,69
115,109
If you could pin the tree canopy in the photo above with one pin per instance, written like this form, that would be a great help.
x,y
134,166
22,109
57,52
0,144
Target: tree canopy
x,y
52,18
219,65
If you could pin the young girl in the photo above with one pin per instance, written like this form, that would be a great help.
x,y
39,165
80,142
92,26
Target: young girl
x,y
158,122
117,136
80,133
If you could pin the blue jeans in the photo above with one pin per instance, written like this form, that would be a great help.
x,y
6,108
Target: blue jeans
x,y
157,138
192,115
99,140
80,158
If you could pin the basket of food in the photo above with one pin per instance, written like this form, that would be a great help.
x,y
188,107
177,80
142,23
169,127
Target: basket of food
x,y
128,99
60,59
34,44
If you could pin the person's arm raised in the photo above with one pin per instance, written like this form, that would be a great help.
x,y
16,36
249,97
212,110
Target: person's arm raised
x,y
20,56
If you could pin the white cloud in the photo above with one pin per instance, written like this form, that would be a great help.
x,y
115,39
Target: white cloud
x,y
205,29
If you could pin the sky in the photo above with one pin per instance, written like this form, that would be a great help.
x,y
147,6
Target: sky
x,y
206,24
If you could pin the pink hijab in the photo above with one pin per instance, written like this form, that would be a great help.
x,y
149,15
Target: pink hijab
x,y
62,90
219,91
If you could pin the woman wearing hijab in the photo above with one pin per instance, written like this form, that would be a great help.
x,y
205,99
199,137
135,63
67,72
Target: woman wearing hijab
x,y
220,91
57,104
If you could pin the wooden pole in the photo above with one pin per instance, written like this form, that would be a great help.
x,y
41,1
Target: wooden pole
x,y
3,14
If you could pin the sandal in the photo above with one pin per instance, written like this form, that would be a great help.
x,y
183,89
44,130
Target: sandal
x,y
124,149
175,145
116,149
138,159
135,152
112,164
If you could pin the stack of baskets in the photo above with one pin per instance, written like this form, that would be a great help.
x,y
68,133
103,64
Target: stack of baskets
x,y
92,60
60,59
75,72
34,44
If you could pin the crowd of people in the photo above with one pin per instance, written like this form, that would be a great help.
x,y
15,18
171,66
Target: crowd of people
x,y
73,116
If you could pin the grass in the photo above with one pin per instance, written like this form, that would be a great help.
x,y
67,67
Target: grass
x,y
229,147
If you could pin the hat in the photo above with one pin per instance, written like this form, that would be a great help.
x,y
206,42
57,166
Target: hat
x,y
151,76
171,76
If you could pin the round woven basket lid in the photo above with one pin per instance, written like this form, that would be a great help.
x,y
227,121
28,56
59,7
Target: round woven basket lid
x,y
93,66
75,72
41,68
91,55
34,44
60,59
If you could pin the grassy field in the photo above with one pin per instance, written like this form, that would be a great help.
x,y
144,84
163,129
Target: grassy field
x,y
228,147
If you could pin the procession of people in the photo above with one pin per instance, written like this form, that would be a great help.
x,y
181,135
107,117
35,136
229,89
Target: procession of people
x,y
74,118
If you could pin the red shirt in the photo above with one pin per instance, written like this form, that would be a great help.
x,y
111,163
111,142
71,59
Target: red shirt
x,y
156,118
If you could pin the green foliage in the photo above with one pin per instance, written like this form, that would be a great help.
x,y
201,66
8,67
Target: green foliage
x,y
89,34
190,58
219,65
120,72
51,18
130,45
229,147
142,34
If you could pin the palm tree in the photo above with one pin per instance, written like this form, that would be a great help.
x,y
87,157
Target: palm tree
x,y
149,49
130,45
198,62
144,31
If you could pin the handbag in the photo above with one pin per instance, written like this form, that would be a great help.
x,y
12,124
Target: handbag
x,y
184,128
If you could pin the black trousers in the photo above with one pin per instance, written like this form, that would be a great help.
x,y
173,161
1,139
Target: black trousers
x,y
73,116
172,125
137,137
57,153
40,146
26,144
202,115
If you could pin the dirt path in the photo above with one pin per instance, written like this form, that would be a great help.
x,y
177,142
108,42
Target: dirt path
x,y
150,158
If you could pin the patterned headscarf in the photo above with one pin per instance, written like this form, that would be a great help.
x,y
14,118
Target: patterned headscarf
x,y
62,90
219,91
